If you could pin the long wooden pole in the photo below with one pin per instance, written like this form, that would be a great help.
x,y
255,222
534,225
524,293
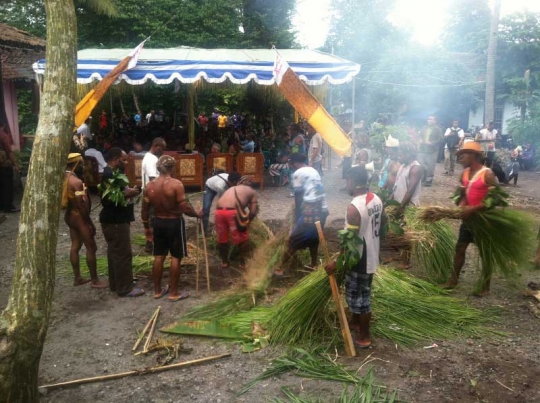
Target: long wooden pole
x,y
197,258
141,336
345,331
134,372
205,257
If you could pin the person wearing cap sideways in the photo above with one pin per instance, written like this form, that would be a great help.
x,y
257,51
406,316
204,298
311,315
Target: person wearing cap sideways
x,y
168,197
475,182
82,231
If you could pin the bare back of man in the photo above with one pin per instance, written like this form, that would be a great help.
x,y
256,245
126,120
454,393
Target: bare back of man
x,y
168,197
225,220
166,194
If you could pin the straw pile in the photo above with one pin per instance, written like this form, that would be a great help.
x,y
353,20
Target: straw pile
x,y
140,263
406,310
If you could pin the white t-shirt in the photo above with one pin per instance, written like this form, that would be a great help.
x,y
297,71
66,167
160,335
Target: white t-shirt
x,y
309,180
218,183
485,134
84,130
448,132
370,208
315,142
149,168
92,152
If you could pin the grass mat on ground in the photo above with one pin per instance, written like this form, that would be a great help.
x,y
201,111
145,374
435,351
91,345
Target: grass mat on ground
x,y
321,366
406,310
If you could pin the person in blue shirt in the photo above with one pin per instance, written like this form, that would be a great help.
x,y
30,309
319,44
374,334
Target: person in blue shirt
x,y
248,146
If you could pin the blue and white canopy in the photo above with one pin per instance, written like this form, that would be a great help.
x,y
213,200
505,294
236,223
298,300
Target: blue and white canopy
x,y
188,65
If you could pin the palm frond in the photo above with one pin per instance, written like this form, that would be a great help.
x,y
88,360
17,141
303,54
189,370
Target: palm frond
x,y
103,7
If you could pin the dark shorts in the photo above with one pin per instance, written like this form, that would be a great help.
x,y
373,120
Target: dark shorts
x,y
170,236
304,234
465,235
358,292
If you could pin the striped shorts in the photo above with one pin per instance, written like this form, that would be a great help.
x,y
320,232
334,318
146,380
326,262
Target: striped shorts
x,y
358,292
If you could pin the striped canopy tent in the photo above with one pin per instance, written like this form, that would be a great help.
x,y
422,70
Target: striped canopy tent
x,y
193,66
188,65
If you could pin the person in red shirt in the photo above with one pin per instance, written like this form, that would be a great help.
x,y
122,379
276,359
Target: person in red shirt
x,y
476,181
8,163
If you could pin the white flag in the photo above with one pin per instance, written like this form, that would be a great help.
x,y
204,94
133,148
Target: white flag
x,y
134,54
280,67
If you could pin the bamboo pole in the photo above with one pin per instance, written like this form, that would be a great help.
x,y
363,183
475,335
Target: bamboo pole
x,y
345,331
205,257
141,336
134,372
197,258
151,334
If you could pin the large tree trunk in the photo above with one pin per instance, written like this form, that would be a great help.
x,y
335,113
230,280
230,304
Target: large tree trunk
x,y
489,103
24,322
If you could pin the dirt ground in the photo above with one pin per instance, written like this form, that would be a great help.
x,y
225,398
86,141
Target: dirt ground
x,y
92,332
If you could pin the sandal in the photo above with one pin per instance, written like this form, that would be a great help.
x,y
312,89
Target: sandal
x,y
184,295
163,292
135,292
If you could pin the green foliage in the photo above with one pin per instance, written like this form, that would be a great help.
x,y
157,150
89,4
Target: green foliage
x,y
113,188
321,366
467,26
379,134
349,241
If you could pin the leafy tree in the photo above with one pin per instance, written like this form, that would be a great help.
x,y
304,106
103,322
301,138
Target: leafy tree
x,y
24,322
466,28
268,22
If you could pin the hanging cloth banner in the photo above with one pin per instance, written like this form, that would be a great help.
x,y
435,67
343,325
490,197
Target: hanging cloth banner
x,y
299,96
89,102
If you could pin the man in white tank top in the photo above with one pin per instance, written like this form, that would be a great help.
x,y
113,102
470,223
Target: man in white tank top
x,y
407,187
365,216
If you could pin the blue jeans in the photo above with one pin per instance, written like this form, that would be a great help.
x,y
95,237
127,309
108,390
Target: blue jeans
x,y
208,198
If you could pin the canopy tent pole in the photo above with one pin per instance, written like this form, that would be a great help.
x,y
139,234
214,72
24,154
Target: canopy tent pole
x,y
191,116
353,103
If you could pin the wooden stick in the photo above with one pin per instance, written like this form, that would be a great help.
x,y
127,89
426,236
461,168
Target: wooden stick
x,y
151,334
141,336
197,259
345,331
205,258
134,372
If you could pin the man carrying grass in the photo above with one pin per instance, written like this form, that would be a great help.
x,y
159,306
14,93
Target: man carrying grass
x,y
365,216
476,181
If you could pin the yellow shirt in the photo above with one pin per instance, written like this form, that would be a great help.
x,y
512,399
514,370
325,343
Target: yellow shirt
x,y
222,121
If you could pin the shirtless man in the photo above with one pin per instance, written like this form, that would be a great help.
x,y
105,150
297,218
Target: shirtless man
x,y
225,219
77,217
168,197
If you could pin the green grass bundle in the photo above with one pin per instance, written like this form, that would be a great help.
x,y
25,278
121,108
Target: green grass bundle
x,y
432,245
141,264
320,366
406,310
504,237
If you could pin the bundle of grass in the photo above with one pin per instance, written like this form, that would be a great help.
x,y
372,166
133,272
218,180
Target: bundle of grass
x,y
406,310
255,279
496,233
321,366
432,245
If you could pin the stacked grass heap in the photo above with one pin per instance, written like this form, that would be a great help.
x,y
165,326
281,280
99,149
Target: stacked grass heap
x,y
504,237
406,310
431,244
320,366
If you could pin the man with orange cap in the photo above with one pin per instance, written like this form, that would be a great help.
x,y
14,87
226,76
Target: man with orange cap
x,y
77,203
476,181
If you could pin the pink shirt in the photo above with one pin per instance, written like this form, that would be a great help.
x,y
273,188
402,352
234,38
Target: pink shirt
x,y
478,189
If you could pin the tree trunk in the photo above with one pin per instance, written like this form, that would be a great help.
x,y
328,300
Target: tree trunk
x,y
24,322
489,103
